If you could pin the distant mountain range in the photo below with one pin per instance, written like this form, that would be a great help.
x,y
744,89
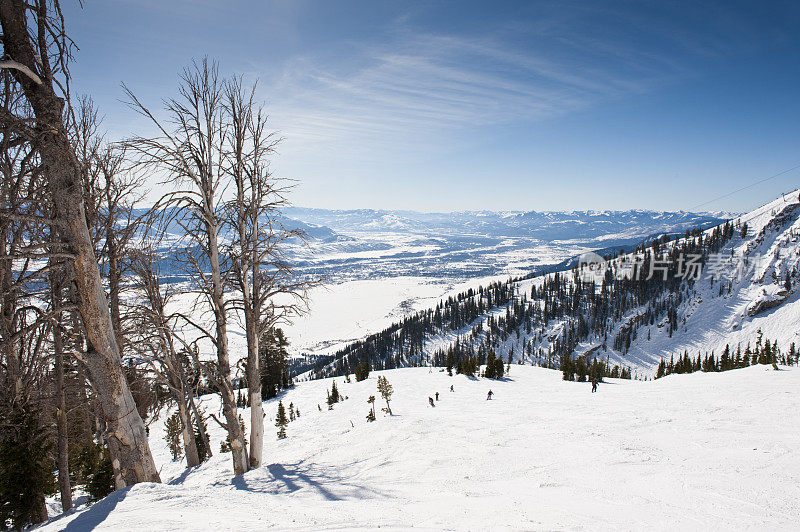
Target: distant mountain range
x,y
545,226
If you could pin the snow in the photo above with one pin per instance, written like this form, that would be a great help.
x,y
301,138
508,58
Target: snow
x,y
757,303
699,451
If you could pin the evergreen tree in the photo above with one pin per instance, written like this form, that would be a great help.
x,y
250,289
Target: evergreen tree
x,y
580,369
491,367
281,421
201,437
662,368
26,469
386,391
725,359
101,480
371,414
568,368
450,361
498,368
274,363
362,370
333,395
172,435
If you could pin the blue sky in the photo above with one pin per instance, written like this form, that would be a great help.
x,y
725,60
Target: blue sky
x,y
441,106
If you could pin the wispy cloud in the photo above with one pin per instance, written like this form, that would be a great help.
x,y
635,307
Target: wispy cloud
x,y
421,86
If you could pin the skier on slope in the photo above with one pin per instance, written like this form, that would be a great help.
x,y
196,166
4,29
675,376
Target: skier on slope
x,y
594,385
437,396
451,388
489,396
430,400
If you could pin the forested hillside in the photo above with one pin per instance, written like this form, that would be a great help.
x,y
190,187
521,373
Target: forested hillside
x,y
668,297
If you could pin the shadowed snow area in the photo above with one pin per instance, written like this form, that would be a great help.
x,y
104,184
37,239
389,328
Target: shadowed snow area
x,y
699,451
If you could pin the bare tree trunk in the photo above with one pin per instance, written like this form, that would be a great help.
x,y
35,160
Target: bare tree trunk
x,y
235,435
130,451
254,389
61,421
198,418
114,280
189,444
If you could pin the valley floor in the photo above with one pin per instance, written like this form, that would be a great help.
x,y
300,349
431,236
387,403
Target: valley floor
x,y
691,452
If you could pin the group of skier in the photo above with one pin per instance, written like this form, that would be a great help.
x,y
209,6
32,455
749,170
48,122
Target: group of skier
x,y
595,382
433,403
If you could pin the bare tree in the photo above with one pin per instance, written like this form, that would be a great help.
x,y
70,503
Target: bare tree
x,y
117,193
157,339
259,270
37,52
191,154
57,277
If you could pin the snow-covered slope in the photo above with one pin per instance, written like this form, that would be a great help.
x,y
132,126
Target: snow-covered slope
x,y
745,289
688,452
748,297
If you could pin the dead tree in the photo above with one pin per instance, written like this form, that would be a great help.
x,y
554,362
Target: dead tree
x,y
259,271
116,192
157,337
37,52
57,278
191,154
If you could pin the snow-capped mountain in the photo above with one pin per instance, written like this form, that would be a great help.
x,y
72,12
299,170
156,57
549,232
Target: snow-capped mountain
x,y
730,285
546,226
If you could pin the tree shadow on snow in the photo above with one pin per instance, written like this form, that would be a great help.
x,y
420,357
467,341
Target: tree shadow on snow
x,y
180,478
289,478
94,516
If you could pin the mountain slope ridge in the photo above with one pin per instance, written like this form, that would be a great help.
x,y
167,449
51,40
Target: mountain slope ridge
x,y
702,317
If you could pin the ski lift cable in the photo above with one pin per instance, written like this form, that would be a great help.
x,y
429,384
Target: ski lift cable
x,y
764,180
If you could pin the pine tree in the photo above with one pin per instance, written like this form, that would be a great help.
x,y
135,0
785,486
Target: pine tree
x,y
201,437
662,368
567,368
274,363
172,435
450,361
101,480
291,412
333,396
580,369
26,470
725,359
281,421
491,367
498,368
362,370
371,414
386,391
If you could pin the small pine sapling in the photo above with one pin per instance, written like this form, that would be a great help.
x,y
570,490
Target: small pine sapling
x,y
371,414
386,392
281,421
